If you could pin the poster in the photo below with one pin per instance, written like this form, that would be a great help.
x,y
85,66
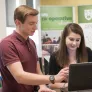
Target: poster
x,y
53,20
55,17
85,21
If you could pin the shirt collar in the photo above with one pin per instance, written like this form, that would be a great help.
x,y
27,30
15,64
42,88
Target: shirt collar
x,y
20,38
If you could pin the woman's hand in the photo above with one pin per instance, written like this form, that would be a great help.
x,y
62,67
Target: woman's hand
x,y
65,87
43,88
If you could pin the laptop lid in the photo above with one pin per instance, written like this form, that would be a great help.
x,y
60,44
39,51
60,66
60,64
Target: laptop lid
x,y
80,76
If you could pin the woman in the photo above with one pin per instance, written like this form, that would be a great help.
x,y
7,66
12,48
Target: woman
x,y
71,50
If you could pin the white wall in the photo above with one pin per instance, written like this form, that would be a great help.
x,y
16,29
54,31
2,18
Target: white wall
x,y
39,48
2,19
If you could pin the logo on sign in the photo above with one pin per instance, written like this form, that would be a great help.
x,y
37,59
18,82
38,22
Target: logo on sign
x,y
88,14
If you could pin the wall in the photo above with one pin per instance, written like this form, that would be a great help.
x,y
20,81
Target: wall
x,y
2,19
74,3
65,2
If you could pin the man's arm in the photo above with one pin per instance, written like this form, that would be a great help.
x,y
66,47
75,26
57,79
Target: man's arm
x,y
39,71
23,77
27,78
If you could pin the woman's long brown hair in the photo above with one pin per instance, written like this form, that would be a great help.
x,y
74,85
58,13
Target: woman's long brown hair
x,y
62,54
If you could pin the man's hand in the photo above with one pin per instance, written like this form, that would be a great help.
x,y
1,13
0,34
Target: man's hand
x,y
62,75
43,88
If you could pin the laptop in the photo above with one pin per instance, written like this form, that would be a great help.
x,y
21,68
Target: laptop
x,y
80,76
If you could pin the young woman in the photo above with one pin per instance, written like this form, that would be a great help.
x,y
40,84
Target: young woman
x,y
71,50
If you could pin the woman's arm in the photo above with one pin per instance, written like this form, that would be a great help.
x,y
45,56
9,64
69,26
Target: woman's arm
x,y
54,68
58,85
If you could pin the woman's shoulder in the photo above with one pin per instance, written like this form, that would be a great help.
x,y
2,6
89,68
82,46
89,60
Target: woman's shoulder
x,y
88,49
53,56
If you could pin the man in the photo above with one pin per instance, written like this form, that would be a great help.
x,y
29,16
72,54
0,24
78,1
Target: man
x,y
19,67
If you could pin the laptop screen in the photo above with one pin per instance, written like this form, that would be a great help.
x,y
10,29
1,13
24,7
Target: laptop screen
x,y
80,76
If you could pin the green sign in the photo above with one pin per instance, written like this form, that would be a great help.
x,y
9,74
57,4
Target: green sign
x,y
85,14
55,17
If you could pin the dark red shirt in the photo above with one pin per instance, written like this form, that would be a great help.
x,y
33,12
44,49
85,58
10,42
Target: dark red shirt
x,y
15,48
